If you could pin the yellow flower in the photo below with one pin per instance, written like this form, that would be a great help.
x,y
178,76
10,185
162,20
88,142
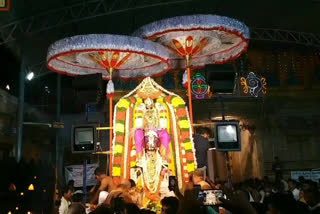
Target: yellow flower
x,y
119,127
187,146
123,103
118,149
176,101
183,124
160,100
116,171
139,115
132,164
190,167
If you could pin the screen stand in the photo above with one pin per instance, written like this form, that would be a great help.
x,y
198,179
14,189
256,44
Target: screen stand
x,y
226,154
85,181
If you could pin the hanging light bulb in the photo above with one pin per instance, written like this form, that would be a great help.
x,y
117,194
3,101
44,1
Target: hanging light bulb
x,y
31,187
30,76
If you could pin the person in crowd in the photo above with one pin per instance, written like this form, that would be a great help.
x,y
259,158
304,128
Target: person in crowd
x,y
201,143
135,196
120,192
77,196
76,208
301,179
130,208
170,205
188,206
105,184
282,203
198,179
312,198
146,211
277,168
65,200
71,184
293,188
102,209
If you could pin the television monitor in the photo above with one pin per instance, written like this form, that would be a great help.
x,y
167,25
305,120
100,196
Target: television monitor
x,y
83,138
227,136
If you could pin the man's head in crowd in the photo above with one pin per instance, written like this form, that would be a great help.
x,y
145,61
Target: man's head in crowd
x,y
170,205
204,132
67,193
132,186
77,196
292,184
76,208
126,184
312,197
99,173
198,176
282,203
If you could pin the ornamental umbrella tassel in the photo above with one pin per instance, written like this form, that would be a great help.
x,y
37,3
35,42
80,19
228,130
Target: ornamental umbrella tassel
x,y
110,89
185,79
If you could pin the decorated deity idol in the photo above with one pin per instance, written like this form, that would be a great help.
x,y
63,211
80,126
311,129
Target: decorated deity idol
x,y
151,133
152,141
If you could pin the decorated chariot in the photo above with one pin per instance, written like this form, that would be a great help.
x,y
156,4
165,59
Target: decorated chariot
x,y
152,140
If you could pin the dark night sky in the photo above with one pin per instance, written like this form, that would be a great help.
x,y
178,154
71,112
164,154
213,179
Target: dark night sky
x,y
299,15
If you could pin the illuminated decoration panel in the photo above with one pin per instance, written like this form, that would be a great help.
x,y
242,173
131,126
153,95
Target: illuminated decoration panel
x,y
254,85
4,5
199,86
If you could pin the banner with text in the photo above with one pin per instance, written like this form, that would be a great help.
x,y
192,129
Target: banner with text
x,y
75,172
310,175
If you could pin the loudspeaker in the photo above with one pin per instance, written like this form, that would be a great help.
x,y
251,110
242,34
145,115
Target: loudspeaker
x,y
221,78
89,88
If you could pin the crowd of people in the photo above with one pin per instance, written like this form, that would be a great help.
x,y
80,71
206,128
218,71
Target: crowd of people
x,y
253,196
26,186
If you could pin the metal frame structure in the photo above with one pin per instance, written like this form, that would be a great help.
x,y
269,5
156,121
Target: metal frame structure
x,y
278,35
71,14
95,8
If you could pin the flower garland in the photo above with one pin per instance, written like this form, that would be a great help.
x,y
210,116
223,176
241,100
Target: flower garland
x,y
152,182
119,131
153,196
188,158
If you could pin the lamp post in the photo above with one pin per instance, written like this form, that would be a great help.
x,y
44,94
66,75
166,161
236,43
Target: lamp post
x,y
20,111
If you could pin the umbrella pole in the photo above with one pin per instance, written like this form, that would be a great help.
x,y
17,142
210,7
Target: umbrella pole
x,y
189,95
110,133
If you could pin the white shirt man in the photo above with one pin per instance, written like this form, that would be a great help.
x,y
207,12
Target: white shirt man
x,y
292,187
65,201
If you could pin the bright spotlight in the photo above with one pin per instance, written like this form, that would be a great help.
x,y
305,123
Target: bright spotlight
x,y
30,76
8,87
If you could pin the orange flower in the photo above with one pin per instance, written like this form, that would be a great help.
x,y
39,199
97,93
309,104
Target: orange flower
x,y
184,135
117,160
119,138
189,156
181,112
121,115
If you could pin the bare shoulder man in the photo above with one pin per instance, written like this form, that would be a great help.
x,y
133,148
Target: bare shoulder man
x,y
105,183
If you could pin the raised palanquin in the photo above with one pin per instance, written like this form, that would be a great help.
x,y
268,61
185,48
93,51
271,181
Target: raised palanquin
x,y
152,140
